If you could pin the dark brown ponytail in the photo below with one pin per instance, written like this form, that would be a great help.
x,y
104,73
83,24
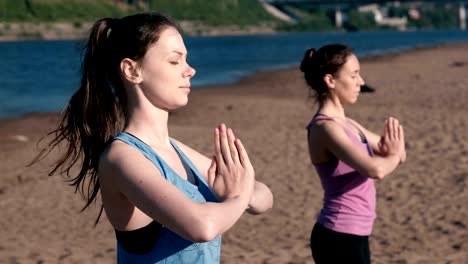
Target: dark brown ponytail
x,y
97,110
316,64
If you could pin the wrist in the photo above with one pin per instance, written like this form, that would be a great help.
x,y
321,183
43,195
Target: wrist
x,y
394,156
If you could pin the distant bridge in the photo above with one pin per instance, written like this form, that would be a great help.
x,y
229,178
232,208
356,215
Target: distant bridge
x,y
348,2
276,7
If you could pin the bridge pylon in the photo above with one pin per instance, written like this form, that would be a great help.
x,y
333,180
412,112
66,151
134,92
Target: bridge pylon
x,y
462,16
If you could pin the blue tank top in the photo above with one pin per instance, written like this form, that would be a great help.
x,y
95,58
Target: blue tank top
x,y
170,247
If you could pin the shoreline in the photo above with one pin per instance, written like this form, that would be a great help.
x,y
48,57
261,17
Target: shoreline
x,y
387,56
27,31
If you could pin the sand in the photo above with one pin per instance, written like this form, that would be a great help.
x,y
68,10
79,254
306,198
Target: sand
x,y
422,206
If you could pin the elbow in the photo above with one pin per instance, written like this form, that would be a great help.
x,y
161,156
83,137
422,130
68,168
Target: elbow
x,y
204,231
259,210
267,204
261,201
376,173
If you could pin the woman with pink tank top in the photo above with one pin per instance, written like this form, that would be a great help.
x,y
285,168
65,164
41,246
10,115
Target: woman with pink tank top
x,y
347,157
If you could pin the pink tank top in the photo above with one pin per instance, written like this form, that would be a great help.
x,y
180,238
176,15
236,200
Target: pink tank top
x,y
349,197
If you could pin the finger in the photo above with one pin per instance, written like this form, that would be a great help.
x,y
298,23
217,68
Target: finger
x,y
400,133
387,129
232,146
217,141
391,134
390,128
385,149
225,151
385,126
382,145
243,157
396,125
212,172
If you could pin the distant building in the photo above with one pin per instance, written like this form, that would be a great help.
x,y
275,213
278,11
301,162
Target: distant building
x,y
382,19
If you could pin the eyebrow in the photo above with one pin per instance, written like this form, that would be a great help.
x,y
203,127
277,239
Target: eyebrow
x,y
178,52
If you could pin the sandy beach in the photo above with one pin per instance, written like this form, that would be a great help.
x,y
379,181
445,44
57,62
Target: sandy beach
x,y
422,207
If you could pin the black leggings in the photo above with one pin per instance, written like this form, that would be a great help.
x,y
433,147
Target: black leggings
x,y
330,247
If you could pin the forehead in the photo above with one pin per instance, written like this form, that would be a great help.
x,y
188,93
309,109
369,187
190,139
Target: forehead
x,y
169,41
351,64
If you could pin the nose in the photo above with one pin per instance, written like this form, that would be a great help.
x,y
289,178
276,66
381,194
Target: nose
x,y
189,72
361,80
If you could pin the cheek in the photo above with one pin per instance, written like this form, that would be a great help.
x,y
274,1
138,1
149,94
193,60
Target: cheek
x,y
354,82
349,84
159,77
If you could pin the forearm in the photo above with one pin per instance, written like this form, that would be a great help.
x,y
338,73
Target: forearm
x,y
261,200
217,218
383,166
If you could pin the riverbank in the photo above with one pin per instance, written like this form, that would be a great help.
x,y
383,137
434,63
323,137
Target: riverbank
x,y
422,213
79,30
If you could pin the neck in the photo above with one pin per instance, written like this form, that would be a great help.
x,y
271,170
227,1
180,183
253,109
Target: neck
x,y
150,124
332,107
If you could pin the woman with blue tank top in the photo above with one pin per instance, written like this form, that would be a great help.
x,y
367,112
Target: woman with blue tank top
x,y
347,157
166,202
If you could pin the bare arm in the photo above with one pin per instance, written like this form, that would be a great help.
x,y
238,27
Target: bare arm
x,y
144,186
376,140
373,138
339,144
262,197
261,200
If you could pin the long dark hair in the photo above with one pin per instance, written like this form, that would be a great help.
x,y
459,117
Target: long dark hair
x,y
327,60
97,110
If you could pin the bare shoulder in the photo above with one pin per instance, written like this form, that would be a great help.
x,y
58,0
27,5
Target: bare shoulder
x,y
325,129
120,159
116,152
323,138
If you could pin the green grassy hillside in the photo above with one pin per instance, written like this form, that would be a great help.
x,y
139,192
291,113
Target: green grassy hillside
x,y
214,12
210,12
59,10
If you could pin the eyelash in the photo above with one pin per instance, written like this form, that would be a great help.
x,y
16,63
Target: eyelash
x,y
174,62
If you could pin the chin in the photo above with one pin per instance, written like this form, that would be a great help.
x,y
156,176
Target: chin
x,y
353,101
181,103
176,105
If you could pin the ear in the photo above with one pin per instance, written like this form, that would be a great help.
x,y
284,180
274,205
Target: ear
x,y
130,71
329,81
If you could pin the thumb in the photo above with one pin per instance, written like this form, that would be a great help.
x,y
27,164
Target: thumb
x,y
212,172
382,146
